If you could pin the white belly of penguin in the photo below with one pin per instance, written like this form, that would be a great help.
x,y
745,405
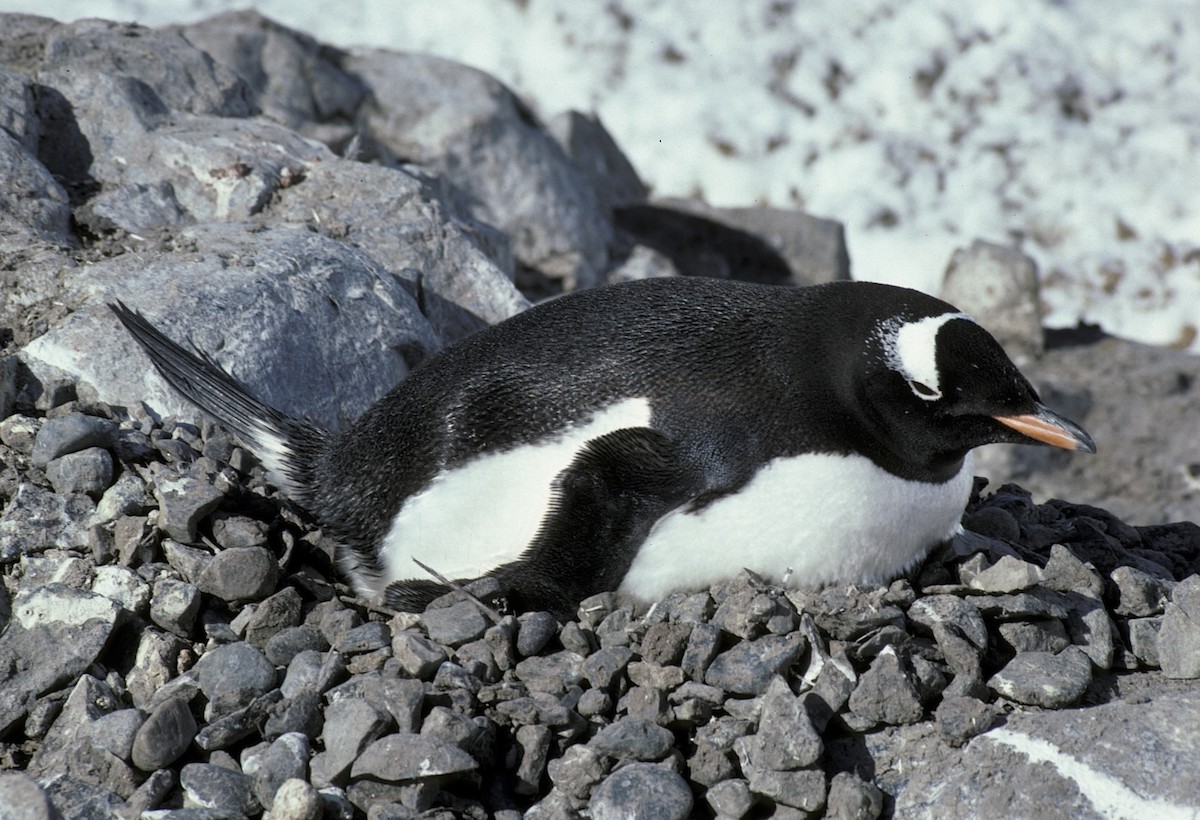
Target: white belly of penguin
x,y
485,513
809,520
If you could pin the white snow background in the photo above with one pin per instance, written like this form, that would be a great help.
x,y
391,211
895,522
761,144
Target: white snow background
x,y
1070,129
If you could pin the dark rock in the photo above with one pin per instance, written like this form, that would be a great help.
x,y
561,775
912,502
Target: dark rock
x,y
1139,593
165,735
786,738
886,692
1179,636
402,699
231,531
535,748
242,574
578,770
286,758
748,667
1035,636
804,789
88,471
174,606
368,637
418,657
536,630
116,732
233,675
289,641
730,798
215,787
641,790
299,714
1042,679
312,669
400,757
961,718
454,625
551,673
603,667
704,643
183,501
852,797
72,433
633,738
665,643
233,727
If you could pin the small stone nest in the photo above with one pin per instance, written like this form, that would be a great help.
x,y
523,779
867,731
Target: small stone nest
x,y
215,667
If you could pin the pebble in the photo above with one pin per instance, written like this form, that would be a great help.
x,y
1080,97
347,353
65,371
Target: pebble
x,y
165,735
276,612
886,693
296,799
1178,642
126,496
233,675
57,437
551,673
1043,679
641,790
351,724
406,756
183,502
852,797
454,625
633,738
88,471
418,656
535,631
240,574
730,798
215,787
175,605
286,758
748,667
22,796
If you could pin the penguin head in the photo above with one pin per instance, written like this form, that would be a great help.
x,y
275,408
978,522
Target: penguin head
x,y
938,385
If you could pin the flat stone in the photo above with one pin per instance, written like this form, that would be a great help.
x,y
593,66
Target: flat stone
x,y
70,434
730,798
1043,679
404,756
214,787
577,771
953,610
21,794
1007,575
283,646
748,667
1048,635
633,738
961,718
454,625
418,656
1179,635
551,673
641,790
786,736
183,502
116,732
88,471
804,789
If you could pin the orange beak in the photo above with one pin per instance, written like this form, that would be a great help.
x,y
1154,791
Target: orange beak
x,y
1047,427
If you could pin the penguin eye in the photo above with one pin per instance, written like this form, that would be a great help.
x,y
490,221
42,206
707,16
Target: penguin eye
x,y
923,391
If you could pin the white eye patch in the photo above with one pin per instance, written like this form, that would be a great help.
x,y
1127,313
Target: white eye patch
x,y
910,348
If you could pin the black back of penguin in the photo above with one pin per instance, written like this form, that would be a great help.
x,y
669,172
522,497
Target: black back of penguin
x,y
732,376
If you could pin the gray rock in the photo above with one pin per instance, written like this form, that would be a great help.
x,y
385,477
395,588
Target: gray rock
x,y
54,621
665,643
231,531
351,725
961,718
1035,636
71,433
402,699
73,797
886,692
1139,593
154,665
165,735
183,502
578,770
238,724
1075,760
1007,575
22,796
277,612
264,346
299,800
123,586
803,789
454,625
240,574
789,246
1065,573
852,798
117,731
593,150
748,667
365,638
603,668
641,790
404,756
998,286
950,609
174,606
285,759
36,519
654,676
1179,635
290,641
310,669
536,630
1042,679
88,471
233,675
535,748
214,787
488,144
786,737
551,673
418,656
1143,639
730,798
299,714
633,738
704,643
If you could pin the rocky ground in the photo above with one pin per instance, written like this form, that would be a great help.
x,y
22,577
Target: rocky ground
x,y
176,642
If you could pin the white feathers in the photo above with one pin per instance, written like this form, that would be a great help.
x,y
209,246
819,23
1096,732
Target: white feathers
x,y
910,349
822,517
484,513
276,454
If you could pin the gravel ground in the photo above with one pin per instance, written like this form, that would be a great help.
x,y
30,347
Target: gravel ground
x,y
177,644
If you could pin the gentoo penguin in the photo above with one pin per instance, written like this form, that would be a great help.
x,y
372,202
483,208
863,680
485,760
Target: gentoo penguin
x,y
650,437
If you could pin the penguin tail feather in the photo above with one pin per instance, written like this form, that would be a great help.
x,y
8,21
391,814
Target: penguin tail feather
x,y
286,446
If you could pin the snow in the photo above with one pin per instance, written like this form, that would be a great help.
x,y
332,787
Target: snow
x,y
1070,129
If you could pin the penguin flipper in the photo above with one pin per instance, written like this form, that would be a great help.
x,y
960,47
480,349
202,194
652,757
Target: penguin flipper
x,y
603,507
